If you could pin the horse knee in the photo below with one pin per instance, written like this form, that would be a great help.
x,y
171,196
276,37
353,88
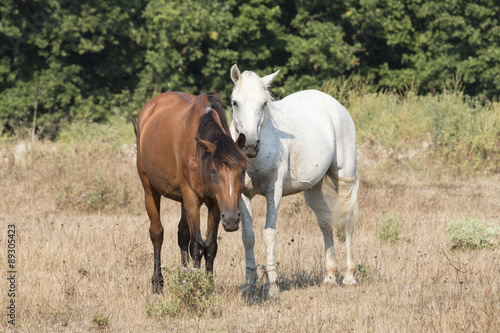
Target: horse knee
x,y
248,239
269,237
156,234
325,225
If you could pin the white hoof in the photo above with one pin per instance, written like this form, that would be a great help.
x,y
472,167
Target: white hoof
x,y
349,280
330,280
273,293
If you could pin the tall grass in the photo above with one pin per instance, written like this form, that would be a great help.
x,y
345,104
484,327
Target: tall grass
x,y
460,131
85,256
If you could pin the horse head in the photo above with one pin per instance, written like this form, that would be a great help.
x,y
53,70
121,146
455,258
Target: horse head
x,y
226,174
249,102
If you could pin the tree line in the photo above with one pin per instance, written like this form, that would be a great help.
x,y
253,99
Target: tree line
x,y
62,60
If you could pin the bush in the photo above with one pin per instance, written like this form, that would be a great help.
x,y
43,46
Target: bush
x,y
187,291
451,128
470,234
102,322
390,229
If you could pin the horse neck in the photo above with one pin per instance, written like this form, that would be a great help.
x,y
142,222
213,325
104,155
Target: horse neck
x,y
274,115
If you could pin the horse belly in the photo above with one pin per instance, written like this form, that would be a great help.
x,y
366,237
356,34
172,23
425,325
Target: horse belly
x,y
159,150
304,173
309,159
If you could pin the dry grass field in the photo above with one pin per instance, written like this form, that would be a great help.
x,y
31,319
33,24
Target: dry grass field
x,y
84,257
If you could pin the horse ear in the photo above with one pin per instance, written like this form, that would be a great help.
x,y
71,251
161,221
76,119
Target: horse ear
x,y
235,73
266,80
207,146
240,142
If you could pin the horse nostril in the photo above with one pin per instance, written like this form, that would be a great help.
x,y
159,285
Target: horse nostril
x,y
222,215
258,141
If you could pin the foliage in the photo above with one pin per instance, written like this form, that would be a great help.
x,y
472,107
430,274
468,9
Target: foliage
x,y
458,130
62,61
390,232
187,291
468,234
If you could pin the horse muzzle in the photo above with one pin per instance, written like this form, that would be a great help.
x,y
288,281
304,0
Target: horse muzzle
x,y
230,221
251,150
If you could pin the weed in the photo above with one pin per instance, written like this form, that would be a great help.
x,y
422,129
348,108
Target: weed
x,y
187,291
361,273
294,207
101,321
390,229
339,233
466,234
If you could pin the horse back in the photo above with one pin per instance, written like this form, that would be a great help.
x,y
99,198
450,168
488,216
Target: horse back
x,y
308,133
166,148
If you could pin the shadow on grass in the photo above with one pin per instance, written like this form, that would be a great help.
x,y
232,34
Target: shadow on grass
x,y
295,280
287,281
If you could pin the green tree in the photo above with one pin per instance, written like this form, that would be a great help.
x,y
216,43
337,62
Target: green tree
x,y
63,59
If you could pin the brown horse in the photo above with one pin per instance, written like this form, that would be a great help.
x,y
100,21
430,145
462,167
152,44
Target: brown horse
x,y
185,153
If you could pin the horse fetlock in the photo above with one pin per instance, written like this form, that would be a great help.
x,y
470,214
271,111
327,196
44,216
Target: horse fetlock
x,y
157,282
349,277
272,292
331,279
251,274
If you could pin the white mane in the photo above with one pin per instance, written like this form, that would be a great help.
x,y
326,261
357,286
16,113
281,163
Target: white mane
x,y
249,85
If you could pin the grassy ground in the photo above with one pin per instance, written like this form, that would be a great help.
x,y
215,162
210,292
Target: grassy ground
x,y
80,265
84,258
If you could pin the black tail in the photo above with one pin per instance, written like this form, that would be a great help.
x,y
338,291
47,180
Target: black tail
x,y
133,121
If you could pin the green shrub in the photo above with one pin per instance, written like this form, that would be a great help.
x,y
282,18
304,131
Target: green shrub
x,y
451,128
470,234
101,321
390,231
187,291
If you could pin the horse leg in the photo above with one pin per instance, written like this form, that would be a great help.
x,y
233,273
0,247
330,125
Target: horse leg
x,y
211,236
192,208
273,198
248,237
346,184
315,200
183,237
152,201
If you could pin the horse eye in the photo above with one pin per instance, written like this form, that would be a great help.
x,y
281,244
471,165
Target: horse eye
x,y
235,104
265,104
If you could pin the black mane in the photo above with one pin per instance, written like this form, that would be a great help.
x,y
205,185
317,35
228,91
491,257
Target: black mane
x,y
226,154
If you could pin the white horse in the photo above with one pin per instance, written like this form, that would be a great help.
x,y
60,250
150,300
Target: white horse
x,y
292,145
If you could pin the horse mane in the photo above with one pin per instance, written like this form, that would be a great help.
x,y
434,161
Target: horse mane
x,y
226,154
253,82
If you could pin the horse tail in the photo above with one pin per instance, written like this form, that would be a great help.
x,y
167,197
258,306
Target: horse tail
x,y
347,191
133,121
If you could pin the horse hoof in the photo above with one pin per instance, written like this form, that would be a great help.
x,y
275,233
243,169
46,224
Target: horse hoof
x,y
330,280
349,280
157,289
157,285
273,294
